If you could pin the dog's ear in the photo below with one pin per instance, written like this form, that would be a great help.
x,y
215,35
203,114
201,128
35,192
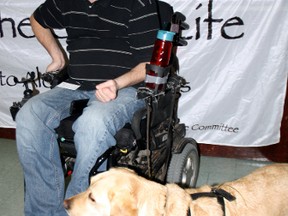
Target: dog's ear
x,y
122,203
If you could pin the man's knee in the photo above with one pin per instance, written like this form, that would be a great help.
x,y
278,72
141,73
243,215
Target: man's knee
x,y
24,113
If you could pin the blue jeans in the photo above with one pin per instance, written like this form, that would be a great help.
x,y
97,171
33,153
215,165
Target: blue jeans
x,y
38,148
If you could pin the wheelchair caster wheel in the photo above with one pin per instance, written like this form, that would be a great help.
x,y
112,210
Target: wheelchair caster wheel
x,y
184,166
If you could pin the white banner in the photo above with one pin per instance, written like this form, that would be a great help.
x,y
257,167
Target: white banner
x,y
235,63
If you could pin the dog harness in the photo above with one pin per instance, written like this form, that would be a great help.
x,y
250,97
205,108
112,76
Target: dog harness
x,y
217,193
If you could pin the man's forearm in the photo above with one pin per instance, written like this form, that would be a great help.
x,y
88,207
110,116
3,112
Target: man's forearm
x,y
46,38
107,91
136,75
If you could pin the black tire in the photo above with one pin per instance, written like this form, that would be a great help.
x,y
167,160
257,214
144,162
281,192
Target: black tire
x,y
184,166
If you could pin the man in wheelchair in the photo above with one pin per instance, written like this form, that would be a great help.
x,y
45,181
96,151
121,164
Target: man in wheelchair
x,y
109,43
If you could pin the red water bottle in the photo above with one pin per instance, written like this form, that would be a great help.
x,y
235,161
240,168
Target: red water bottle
x,y
157,71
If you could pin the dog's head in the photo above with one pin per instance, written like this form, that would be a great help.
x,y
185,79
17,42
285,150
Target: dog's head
x,y
111,193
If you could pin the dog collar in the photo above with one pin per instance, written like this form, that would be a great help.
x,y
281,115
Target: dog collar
x,y
217,193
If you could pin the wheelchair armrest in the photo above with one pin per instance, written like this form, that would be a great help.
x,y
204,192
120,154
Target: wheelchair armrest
x,y
55,77
136,121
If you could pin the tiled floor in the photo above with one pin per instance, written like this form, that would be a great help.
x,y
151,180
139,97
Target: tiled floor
x,y
11,180
212,170
215,170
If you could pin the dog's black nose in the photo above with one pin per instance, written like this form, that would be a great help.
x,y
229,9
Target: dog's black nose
x,y
67,204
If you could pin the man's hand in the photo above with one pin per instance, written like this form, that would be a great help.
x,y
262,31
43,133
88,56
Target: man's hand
x,y
106,91
56,65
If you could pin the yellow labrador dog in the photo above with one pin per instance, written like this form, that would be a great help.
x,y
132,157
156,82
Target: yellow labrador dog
x,y
121,192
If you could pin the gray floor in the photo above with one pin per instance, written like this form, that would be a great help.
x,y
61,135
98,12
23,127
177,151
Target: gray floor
x,y
212,170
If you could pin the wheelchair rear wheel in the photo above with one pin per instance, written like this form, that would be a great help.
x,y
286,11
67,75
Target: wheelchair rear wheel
x,y
184,166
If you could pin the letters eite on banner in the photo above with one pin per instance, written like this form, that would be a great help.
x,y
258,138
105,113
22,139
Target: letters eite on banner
x,y
235,64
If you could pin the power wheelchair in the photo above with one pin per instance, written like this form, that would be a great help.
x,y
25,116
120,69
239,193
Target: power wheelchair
x,y
154,143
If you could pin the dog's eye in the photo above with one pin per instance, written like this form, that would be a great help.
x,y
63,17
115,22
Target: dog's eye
x,y
90,196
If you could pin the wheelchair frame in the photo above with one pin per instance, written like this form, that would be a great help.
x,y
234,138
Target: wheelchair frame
x,y
160,151
154,144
